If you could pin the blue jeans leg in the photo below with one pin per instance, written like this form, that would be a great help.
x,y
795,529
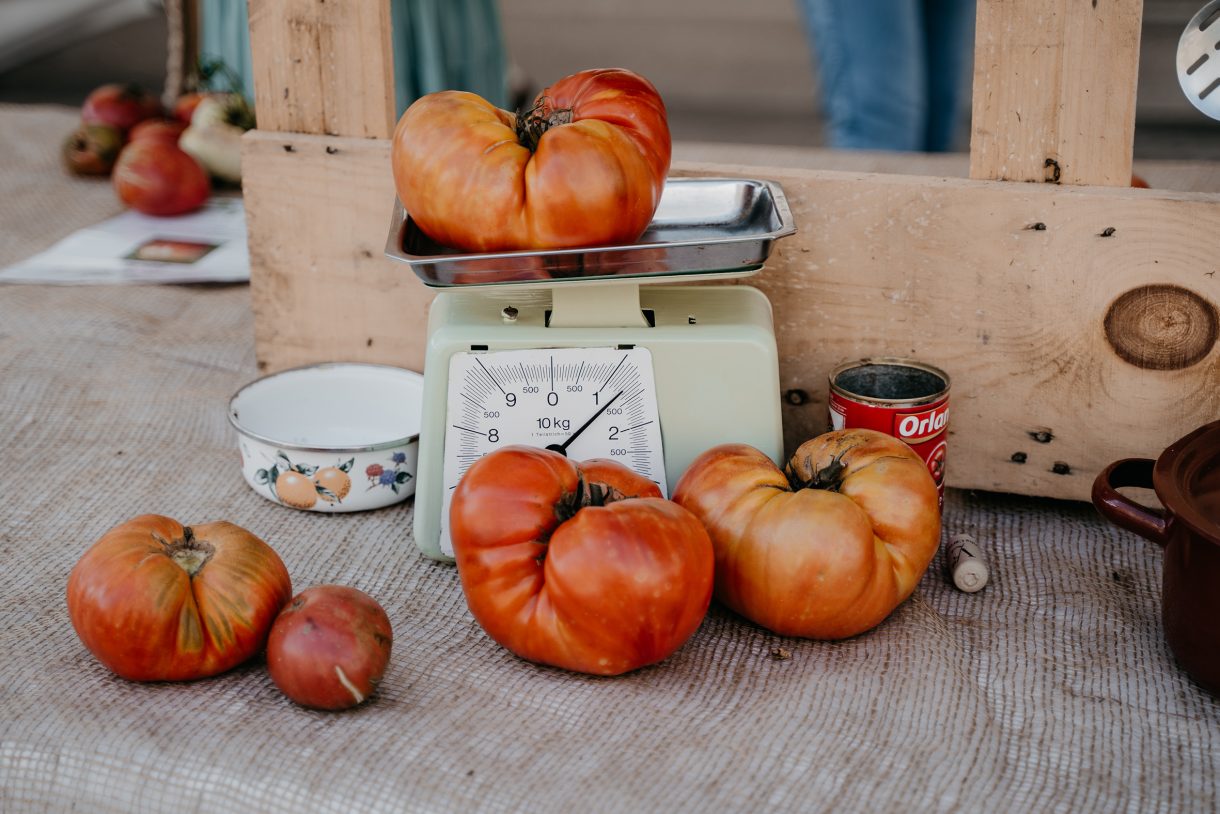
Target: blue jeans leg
x,y
893,73
949,44
871,69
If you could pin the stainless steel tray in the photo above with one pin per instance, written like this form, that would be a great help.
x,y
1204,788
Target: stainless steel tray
x,y
702,226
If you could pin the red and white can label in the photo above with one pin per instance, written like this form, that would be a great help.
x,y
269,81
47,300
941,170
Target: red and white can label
x,y
916,428
920,418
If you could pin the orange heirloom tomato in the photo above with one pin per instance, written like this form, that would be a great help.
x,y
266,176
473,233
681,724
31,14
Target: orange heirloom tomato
x,y
581,566
584,167
156,601
825,549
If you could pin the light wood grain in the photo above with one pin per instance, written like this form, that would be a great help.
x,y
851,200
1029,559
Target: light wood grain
x,y
957,273
1055,83
317,211
323,67
947,270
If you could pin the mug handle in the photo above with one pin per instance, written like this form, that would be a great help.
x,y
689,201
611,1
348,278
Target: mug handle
x,y
1122,511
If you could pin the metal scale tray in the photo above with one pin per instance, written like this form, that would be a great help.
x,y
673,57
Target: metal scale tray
x,y
702,226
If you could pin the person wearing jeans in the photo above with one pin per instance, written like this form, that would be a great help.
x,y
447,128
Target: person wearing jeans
x,y
892,73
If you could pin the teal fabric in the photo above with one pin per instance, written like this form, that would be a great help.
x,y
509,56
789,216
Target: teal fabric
x,y
438,45
225,35
448,45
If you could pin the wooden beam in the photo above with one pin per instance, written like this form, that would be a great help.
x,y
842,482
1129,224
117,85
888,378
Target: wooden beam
x,y
1078,324
323,67
317,212
1054,90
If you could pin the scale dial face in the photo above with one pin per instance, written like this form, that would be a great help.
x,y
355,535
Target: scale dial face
x,y
585,402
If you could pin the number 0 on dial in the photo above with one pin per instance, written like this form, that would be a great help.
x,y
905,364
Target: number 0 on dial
x,y
582,402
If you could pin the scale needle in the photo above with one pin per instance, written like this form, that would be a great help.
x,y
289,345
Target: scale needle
x,y
562,449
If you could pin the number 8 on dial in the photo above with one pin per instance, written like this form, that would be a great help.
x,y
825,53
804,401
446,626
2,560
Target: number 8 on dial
x,y
582,402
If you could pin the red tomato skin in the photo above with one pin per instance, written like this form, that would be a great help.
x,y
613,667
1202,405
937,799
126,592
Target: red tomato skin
x,y
120,106
821,563
167,130
605,591
184,107
468,181
157,178
330,647
146,619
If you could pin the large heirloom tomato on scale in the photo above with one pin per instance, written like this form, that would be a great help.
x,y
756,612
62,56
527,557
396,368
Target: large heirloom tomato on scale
x,y
825,549
585,167
581,566
154,600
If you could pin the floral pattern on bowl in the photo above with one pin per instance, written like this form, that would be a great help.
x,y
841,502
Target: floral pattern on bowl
x,y
323,482
307,434
393,477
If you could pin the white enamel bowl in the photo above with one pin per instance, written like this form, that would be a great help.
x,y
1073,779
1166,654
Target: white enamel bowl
x,y
336,437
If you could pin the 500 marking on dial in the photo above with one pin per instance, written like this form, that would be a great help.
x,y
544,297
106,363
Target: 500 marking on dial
x,y
581,402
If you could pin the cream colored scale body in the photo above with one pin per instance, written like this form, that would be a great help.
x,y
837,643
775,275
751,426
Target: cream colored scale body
x,y
696,366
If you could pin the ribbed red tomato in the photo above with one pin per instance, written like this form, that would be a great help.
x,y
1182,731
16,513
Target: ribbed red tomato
x,y
156,178
581,566
154,600
825,549
586,166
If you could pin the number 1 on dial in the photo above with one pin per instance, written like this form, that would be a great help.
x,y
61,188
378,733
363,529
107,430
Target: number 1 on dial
x,y
581,402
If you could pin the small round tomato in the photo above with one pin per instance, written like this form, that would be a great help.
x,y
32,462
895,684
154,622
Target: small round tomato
x,y
120,106
580,566
92,149
157,178
154,600
825,549
329,648
584,167
167,130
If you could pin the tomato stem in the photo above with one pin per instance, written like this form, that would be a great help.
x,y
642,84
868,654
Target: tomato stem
x,y
829,477
532,123
586,494
189,553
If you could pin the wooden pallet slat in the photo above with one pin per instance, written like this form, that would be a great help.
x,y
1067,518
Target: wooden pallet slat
x,y
1078,319
323,66
1054,90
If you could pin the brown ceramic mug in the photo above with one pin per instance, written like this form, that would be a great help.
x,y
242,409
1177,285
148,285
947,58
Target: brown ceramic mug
x,y
1186,479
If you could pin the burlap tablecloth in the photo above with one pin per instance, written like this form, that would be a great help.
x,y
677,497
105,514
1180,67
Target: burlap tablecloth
x,y
1051,690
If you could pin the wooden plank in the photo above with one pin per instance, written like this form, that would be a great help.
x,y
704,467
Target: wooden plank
x,y
182,47
1184,176
317,211
948,270
323,67
1054,90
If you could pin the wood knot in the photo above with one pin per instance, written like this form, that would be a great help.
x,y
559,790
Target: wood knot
x,y
1161,327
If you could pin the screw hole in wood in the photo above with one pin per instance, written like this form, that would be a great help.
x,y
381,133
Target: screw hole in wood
x,y
796,397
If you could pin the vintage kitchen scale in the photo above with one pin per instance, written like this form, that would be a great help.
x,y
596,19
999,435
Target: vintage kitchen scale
x,y
580,351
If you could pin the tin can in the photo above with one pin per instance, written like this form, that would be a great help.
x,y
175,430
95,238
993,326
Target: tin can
x,y
906,399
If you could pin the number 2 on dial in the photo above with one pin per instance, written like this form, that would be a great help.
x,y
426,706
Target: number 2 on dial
x,y
580,402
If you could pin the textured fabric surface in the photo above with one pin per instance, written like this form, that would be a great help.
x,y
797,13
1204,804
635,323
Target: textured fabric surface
x,y
1051,690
